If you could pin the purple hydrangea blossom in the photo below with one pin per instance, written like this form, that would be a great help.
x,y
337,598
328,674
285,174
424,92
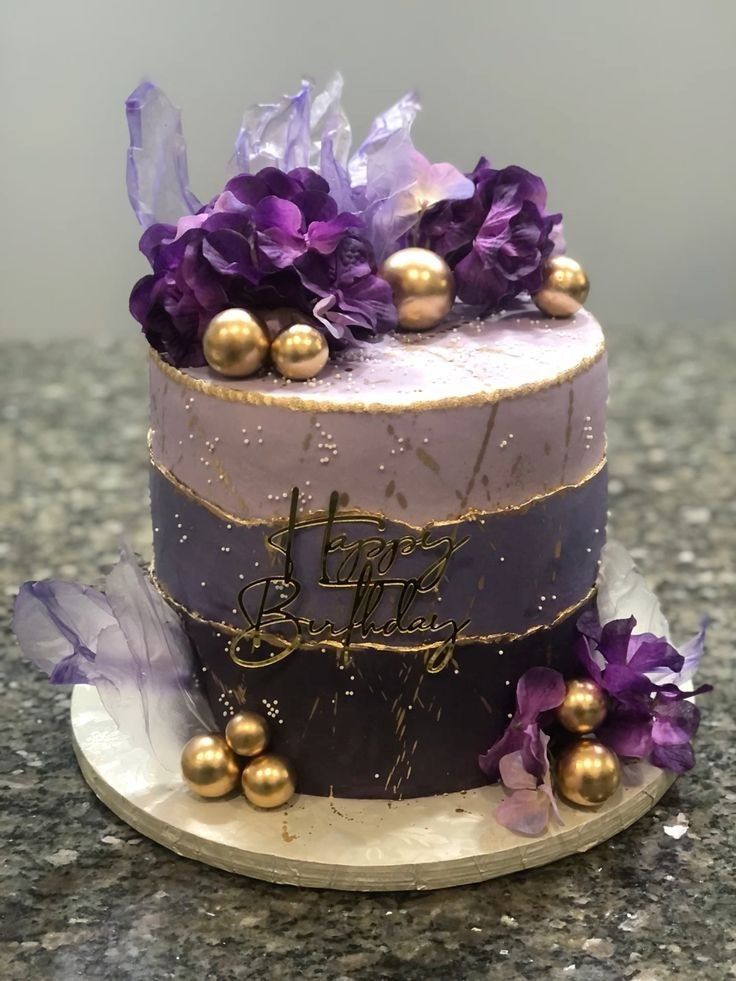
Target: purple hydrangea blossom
x,y
497,241
269,239
647,719
650,716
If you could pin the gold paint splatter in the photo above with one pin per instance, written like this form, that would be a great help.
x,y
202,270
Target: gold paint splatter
x,y
570,404
285,833
481,453
427,459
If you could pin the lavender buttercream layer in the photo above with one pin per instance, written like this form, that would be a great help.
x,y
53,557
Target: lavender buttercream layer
x,y
501,573
479,415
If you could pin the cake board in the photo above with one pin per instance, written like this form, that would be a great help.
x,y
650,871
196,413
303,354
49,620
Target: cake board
x,y
336,843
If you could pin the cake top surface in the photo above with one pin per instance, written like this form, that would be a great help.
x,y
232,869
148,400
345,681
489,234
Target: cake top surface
x,y
467,361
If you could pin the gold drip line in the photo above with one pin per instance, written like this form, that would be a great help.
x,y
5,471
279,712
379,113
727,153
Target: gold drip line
x,y
302,404
506,638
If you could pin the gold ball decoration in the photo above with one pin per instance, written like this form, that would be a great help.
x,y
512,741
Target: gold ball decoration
x,y
584,706
209,766
423,287
247,734
269,780
300,352
236,343
565,288
587,772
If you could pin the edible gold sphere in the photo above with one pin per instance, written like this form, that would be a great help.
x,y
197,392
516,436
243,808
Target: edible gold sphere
x,y
423,287
300,352
269,780
247,734
583,708
565,287
587,772
208,766
235,343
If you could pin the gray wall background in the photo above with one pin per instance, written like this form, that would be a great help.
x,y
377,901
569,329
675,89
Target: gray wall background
x,y
625,108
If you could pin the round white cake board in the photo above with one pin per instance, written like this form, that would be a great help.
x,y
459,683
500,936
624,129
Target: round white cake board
x,y
335,843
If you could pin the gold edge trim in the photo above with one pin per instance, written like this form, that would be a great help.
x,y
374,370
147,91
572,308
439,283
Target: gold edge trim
x,y
298,403
506,638
474,514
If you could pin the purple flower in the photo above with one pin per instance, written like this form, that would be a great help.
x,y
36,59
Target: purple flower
x,y
269,239
538,691
646,719
354,302
497,241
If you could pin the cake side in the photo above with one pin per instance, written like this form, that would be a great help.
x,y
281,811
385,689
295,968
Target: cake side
x,y
386,626
478,416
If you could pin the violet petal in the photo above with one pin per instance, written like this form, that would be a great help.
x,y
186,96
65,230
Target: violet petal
x,y
678,759
539,690
511,740
675,722
513,773
524,811
650,652
628,734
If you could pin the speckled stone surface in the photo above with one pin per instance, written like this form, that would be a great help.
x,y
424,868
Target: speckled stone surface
x,y
83,896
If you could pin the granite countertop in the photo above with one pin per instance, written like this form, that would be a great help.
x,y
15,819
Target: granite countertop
x,y
84,896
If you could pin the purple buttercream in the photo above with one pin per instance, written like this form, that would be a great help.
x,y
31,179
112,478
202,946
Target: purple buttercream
x,y
497,578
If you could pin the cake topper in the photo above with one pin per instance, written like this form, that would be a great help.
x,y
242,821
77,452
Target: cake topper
x,y
356,245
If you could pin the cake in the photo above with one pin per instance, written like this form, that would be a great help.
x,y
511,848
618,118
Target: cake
x,y
378,492
470,460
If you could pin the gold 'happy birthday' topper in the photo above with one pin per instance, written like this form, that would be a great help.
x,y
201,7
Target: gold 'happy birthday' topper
x,y
366,568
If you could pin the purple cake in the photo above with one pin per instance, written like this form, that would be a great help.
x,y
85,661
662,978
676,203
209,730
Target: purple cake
x,y
469,460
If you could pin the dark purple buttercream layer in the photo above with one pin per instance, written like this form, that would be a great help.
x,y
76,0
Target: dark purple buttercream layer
x,y
381,726
517,569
